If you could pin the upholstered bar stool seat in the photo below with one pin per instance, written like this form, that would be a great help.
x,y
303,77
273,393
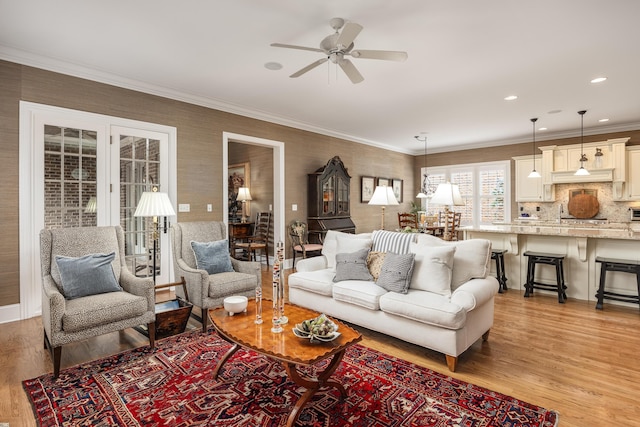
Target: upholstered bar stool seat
x,y
622,265
498,256
556,260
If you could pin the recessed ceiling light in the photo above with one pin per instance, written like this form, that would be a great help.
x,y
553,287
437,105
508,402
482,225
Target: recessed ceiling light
x,y
510,98
542,128
554,112
603,120
598,80
274,66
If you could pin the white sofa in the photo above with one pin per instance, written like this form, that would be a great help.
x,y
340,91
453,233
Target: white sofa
x,y
448,304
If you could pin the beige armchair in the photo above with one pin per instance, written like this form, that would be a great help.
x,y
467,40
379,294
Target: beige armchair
x,y
68,315
209,290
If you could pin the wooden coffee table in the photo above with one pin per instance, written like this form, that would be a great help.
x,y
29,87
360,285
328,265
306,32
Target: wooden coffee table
x,y
241,331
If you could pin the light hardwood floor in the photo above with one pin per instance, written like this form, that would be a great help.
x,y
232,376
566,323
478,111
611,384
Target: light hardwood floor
x,y
568,357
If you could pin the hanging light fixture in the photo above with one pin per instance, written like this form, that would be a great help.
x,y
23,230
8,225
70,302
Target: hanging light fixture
x,y
582,171
423,190
534,173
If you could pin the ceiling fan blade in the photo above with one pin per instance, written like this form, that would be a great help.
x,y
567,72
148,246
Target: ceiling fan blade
x,y
309,67
291,46
350,70
349,32
387,55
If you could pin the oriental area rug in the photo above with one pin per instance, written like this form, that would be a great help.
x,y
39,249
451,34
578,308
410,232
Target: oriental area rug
x,y
173,386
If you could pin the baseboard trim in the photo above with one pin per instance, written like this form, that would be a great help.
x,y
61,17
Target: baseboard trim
x,y
9,313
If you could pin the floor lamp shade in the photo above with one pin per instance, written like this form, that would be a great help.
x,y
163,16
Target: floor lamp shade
x,y
447,194
153,203
383,196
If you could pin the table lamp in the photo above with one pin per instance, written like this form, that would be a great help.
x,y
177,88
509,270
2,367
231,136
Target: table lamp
x,y
154,204
447,194
243,196
383,196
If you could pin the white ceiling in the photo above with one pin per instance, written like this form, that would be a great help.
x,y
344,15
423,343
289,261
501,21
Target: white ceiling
x,y
464,57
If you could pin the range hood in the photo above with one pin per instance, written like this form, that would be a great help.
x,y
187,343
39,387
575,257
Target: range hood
x,y
595,175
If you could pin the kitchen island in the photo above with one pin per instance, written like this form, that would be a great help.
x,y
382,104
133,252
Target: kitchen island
x,y
580,243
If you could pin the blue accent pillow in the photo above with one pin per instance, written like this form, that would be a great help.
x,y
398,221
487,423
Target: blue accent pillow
x,y
87,275
213,257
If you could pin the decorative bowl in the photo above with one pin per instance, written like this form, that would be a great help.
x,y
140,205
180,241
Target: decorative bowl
x,y
235,304
320,328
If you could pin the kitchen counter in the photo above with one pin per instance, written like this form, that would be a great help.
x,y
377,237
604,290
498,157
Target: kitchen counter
x,y
580,243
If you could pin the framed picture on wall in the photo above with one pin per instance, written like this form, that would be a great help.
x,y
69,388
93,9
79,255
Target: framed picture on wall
x,y
367,187
397,189
382,182
239,176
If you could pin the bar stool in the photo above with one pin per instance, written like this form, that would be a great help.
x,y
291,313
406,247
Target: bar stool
x,y
549,259
498,256
625,266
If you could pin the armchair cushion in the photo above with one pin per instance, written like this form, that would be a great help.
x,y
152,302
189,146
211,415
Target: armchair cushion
x,y
213,257
87,275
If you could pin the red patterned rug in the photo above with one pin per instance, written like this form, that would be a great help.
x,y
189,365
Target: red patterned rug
x,y
172,386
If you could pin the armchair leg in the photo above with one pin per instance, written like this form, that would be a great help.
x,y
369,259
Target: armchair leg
x,y
205,319
57,355
151,326
452,362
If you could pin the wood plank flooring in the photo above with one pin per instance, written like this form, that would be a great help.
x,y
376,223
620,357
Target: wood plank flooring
x,y
569,357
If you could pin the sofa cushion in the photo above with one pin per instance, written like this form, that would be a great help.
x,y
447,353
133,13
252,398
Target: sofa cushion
x,y
432,270
396,272
330,246
213,257
470,261
363,294
352,266
318,281
87,275
425,307
374,263
391,241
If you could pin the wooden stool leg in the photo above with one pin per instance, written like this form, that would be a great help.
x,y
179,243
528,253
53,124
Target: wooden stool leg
x,y
638,284
600,294
498,276
530,273
503,273
559,280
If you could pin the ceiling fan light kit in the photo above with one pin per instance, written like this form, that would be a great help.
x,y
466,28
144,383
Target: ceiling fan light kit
x,y
338,45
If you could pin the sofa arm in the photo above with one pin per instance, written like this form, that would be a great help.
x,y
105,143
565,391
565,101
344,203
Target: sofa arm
x,y
475,292
312,264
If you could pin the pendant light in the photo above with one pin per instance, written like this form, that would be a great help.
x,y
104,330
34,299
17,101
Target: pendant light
x,y
423,191
534,173
582,171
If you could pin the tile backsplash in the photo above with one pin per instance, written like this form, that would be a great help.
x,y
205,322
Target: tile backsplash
x,y
613,211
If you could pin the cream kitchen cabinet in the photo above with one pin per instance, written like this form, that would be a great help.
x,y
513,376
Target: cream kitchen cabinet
x,y
528,189
633,177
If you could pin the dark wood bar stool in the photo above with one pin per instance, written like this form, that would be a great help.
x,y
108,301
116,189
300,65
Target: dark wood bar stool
x,y
622,265
498,256
549,259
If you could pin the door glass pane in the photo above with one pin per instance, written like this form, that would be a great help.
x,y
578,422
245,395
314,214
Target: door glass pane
x,y
139,172
69,177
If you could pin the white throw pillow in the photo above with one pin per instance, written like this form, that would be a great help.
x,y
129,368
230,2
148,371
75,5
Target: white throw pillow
x,y
330,246
470,261
433,268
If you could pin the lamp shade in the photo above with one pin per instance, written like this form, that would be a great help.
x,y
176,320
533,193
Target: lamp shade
x,y
153,203
383,196
421,195
447,194
243,194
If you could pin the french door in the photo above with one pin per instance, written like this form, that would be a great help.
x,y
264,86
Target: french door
x,y
87,170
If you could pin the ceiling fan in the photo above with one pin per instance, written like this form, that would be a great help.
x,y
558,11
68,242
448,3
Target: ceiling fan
x,y
339,45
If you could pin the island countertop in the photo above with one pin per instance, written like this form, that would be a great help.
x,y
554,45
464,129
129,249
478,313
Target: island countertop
x,y
597,231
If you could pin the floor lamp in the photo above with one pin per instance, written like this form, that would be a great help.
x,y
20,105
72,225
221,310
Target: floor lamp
x,y
154,204
383,196
447,194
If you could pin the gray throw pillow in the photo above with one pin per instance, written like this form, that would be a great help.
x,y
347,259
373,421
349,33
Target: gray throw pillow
x,y
213,257
396,272
352,266
87,275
